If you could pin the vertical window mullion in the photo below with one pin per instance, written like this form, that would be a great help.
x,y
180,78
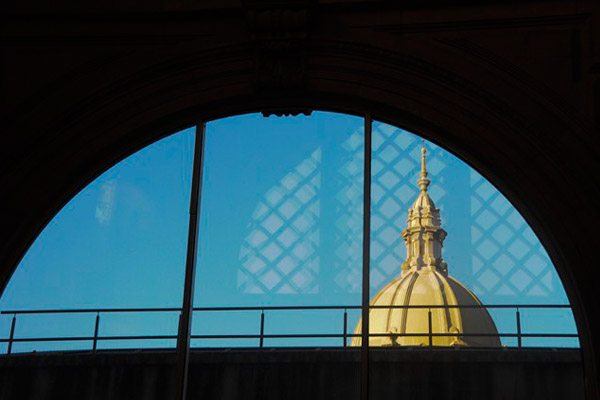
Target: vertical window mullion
x,y
366,253
185,319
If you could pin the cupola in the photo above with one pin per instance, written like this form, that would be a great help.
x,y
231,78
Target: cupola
x,y
424,281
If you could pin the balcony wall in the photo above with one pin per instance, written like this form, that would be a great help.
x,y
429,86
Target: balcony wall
x,y
296,374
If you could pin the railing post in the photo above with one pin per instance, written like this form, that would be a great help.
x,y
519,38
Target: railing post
x,y
12,333
262,328
345,327
518,328
429,323
97,324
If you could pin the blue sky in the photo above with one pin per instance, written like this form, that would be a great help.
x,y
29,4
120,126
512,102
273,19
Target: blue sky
x,y
280,224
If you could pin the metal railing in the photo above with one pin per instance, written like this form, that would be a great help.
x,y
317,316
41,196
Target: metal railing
x,y
344,335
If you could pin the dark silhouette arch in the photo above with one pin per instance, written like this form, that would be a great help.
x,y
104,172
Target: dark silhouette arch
x,y
534,145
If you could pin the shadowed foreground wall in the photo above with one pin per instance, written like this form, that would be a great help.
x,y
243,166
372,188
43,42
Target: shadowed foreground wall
x,y
296,374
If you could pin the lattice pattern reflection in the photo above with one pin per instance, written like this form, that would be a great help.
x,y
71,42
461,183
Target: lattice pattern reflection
x,y
395,165
281,252
279,255
507,257
348,226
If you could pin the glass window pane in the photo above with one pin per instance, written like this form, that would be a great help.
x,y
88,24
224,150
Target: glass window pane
x,y
280,225
121,242
487,248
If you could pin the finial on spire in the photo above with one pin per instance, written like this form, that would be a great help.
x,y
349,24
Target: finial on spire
x,y
423,182
423,167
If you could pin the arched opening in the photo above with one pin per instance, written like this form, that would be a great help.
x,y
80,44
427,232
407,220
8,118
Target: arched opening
x,y
313,164
299,237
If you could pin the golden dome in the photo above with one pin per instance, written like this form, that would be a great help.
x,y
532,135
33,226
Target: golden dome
x,y
424,281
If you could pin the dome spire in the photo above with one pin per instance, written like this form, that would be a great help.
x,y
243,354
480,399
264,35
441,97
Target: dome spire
x,y
423,182
424,235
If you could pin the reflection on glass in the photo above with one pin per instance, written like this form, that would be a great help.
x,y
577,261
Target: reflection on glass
x,y
280,223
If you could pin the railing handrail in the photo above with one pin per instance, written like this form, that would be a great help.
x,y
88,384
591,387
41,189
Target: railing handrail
x,y
90,310
274,308
262,335
283,336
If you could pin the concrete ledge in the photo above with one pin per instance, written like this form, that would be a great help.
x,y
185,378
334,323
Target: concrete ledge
x,y
413,373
